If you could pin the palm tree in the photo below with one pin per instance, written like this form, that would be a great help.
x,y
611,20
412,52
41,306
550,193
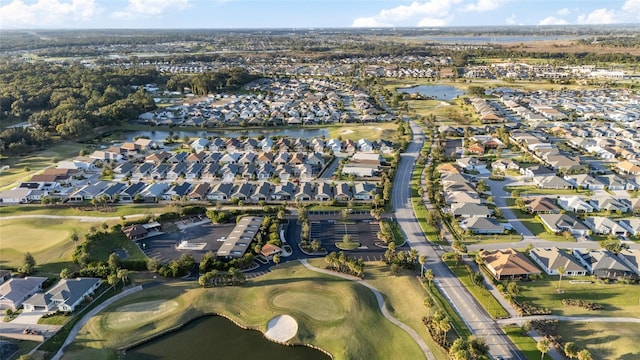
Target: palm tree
x,y
585,355
571,349
429,276
445,326
560,272
543,346
422,260
75,238
276,259
123,274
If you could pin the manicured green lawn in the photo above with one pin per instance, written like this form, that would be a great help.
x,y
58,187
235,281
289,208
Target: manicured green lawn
x,y
619,300
524,343
348,336
85,210
530,190
484,297
48,240
373,131
603,340
536,227
101,249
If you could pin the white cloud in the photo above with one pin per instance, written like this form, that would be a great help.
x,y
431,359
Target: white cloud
x,y
143,8
631,5
552,20
48,13
599,16
563,12
511,20
428,13
368,22
483,5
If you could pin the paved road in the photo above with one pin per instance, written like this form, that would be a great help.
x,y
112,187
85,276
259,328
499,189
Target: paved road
x,y
521,320
478,321
500,197
381,305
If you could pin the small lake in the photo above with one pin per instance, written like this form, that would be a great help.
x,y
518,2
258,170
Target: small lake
x,y
439,92
214,337
289,132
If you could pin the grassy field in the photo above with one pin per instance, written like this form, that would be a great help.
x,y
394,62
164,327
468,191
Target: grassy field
x,y
48,240
22,168
619,300
533,190
115,211
525,343
604,340
484,297
374,131
287,289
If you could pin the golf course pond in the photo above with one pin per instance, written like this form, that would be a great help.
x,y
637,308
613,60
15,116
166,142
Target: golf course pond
x,y
216,337
437,92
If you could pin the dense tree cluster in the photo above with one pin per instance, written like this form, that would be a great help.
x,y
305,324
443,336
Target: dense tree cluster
x,y
342,263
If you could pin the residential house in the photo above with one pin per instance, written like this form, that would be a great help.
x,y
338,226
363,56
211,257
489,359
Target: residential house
x,y
604,226
243,192
153,192
471,164
199,144
631,258
65,296
552,259
584,181
220,192
15,291
575,204
469,210
15,196
508,264
199,192
305,192
177,191
178,158
135,232
283,191
323,192
559,223
230,158
602,202
541,205
157,157
481,225
603,264
261,192
552,182
129,193
628,167
364,191
504,165
343,192
614,182
632,225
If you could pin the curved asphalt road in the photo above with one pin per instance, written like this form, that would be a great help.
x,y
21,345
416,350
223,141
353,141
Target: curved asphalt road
x,y
475,317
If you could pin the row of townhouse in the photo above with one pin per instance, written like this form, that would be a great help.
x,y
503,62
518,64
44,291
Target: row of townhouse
x,y
284,144
512,264
226,192
602,225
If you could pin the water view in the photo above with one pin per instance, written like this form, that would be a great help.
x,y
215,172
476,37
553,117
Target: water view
x,y
440,92
290,132
216,337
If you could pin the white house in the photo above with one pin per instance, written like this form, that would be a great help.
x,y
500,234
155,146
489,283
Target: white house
x,y
65,296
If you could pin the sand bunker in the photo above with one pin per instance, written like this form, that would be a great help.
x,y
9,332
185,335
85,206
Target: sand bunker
x,y
345,132
281,328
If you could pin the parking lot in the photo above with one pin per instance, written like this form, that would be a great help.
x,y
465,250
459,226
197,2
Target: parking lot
x,y
328,232
164,247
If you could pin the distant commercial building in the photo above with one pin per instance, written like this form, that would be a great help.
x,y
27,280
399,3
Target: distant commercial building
x,y
240,238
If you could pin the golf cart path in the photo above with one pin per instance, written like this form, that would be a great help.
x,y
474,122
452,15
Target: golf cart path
x,y
381,306
76,328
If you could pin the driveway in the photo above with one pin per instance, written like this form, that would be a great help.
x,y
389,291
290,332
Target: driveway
x,y
500,198
28,317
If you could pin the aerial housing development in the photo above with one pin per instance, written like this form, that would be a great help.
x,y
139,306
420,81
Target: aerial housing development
x,y
377,193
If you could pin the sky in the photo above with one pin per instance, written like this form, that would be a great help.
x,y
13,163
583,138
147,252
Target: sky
x,y
225,14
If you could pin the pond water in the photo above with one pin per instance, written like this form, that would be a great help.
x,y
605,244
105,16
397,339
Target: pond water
x,y
439,92
214,337
289,132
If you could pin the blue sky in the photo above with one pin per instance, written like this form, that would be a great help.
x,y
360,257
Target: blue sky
x,y
73,14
